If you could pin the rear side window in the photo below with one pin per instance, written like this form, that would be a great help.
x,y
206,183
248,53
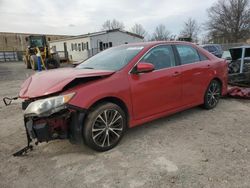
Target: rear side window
x,y
203,57
187,54
161,57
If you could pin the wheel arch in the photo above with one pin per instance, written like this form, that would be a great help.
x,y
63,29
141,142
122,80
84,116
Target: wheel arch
x,y
206,104
219,80
114,100
214,78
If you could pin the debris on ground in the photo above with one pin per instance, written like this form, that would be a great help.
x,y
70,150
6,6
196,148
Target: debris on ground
x,y
239,92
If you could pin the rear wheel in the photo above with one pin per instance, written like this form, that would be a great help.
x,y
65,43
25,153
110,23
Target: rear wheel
x,y
104,127
212,96
57,60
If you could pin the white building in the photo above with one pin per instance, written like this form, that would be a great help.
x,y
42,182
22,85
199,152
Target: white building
x,y
84,46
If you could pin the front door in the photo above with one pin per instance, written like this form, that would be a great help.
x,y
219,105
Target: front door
x,y
160,90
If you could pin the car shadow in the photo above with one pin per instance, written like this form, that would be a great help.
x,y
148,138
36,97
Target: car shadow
x,y
63,147
158,123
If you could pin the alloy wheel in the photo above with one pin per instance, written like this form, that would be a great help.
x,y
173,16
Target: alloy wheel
x,y
107,128
213,94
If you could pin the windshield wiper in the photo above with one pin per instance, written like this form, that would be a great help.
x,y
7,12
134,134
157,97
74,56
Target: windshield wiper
x,y
87,68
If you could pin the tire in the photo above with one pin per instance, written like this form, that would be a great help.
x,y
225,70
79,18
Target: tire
x,y
212,95
33,62
53,62
57,60
102,136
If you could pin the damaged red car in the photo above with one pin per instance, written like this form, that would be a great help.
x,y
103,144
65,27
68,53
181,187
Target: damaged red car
x,y
119,88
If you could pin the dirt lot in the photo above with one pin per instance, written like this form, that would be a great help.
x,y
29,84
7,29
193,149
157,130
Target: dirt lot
x,y
195,148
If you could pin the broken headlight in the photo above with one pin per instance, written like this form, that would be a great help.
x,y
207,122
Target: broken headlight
x,y
46,107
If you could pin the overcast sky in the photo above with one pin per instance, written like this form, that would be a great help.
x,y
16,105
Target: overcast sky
x,y
75,17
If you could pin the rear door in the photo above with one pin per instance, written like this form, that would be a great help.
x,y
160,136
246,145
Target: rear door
x,y
195,74
160,90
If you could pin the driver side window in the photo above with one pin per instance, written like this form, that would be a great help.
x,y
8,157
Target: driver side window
x,y
161,57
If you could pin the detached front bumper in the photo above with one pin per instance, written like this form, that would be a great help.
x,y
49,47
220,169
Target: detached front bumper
x,y
49,128
65,124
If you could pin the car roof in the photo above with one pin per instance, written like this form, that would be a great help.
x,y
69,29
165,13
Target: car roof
x,y
153,43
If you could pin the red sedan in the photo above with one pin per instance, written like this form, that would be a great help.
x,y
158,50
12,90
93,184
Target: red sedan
x,y
120,88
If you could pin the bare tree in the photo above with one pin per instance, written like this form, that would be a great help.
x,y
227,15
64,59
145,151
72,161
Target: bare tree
x,y
191,29
112,24
161,33
139,30
229,20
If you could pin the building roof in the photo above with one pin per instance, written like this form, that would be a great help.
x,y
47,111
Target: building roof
x,y
99,33
13,33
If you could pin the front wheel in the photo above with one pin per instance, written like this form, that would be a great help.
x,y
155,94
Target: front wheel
x,y
104,126
212,95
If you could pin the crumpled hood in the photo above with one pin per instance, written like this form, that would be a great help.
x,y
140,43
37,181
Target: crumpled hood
x,y
52,81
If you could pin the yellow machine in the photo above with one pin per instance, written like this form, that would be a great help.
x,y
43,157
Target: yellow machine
x,y
38,47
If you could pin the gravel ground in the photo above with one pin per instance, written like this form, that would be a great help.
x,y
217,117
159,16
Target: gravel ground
x,y
194,148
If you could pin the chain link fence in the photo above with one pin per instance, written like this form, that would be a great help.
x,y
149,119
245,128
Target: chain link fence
x,y
7,56
10,56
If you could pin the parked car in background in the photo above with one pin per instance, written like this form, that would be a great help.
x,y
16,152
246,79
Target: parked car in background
x,y
119,88
226,55
214,49
240,59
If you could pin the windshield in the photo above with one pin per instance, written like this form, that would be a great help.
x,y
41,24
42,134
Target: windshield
x,y
111,59
36,42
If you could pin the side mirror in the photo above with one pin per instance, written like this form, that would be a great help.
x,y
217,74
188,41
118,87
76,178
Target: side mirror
x,y
143,67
